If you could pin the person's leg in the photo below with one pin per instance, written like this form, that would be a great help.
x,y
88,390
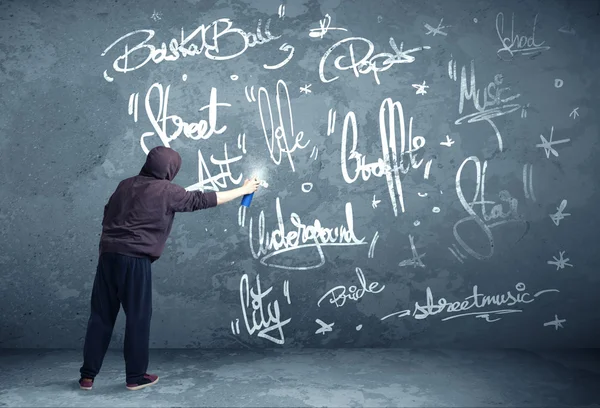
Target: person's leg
x,y
135,294
104,311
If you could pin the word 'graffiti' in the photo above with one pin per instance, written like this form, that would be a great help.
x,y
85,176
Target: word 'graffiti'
x,y
394,161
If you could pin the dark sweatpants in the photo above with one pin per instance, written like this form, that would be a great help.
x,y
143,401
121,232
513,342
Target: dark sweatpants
x,y
120,280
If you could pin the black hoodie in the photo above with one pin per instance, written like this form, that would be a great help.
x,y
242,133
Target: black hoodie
x,y
139,215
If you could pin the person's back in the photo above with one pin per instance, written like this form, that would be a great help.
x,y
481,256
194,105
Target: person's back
x,y
139,215
137,221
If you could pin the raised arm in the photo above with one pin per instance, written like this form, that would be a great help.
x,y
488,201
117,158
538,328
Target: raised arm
x,y
180,200
249,187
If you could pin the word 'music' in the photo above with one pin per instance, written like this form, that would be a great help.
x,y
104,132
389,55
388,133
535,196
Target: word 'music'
x,y
302,236
475,302
210,40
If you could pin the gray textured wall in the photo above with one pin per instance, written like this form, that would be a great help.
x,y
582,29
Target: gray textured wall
x,y
476,128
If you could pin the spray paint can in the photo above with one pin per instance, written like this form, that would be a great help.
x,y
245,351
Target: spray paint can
x,y
247,199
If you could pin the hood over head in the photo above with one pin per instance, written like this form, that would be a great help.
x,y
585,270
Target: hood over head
x,y
162,163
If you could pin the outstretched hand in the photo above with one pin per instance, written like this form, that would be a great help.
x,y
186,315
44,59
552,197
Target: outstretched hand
x,y
251,185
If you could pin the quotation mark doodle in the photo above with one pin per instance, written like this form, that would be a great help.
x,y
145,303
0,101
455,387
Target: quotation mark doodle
x,y
559,214
281,10
235,329
242,215
560,262
524,111
457,254
331,122
250,94
242,142
371,252
556,323
315,152
133,105
324,327
286,291
528,181
452,69
427,169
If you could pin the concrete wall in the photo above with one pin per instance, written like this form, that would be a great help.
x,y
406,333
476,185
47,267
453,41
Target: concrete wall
x,y
456,208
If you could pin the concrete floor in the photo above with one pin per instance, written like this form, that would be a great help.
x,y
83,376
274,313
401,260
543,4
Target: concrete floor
x,y
309,377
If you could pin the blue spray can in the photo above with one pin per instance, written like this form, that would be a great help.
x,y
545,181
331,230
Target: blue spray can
x,y
247,199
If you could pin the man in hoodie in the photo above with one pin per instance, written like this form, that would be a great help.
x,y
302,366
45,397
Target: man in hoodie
x,y
137,221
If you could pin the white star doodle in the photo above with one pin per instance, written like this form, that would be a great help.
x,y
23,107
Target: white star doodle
x,y
324,327
305,89
559,215
559,262
547,144
420,88
416,258
324,27
156,16
556,323
574,113
437,30
375,202
449,142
